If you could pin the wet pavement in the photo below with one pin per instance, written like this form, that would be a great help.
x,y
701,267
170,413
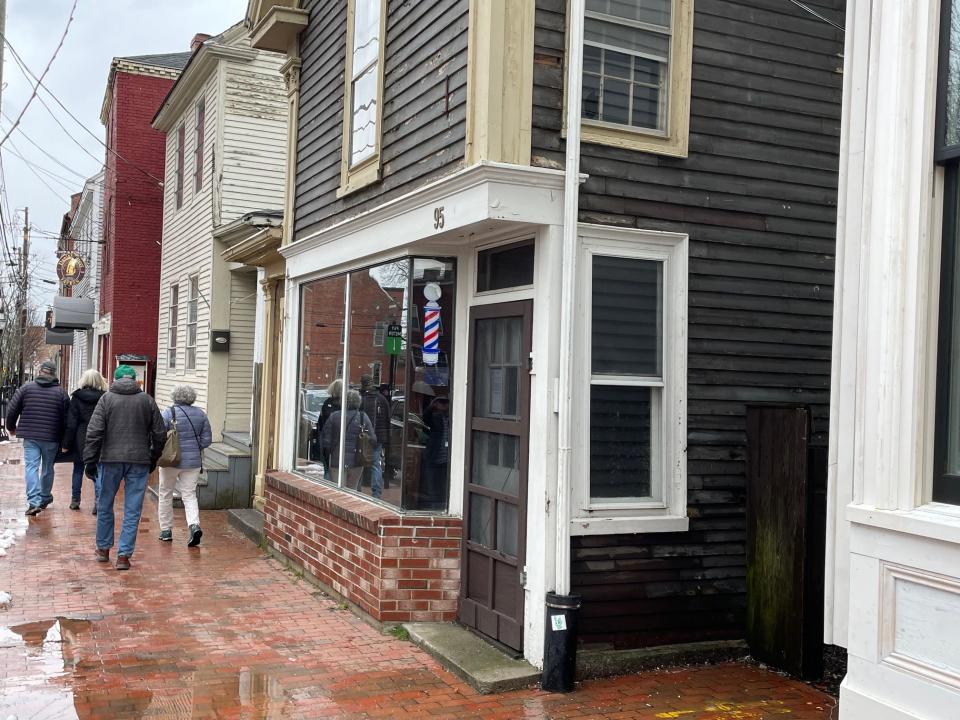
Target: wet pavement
x,y
220,631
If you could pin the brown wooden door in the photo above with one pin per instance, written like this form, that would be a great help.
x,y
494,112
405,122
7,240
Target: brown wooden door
x,y
495,500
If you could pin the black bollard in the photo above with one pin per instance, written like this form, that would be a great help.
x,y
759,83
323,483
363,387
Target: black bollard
x,y
560,643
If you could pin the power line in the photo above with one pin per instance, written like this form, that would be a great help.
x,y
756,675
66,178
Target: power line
x,y
15,151
38,147
26,70
36,87
39,177
817,15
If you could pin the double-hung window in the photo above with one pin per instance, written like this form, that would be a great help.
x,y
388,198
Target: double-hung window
x,y
192,311
178,190
363,91
632,382
173,317
198,146
636,74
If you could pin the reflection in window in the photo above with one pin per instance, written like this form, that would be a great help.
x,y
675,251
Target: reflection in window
x,y
359,329
365,79
505,266
951,78
626,62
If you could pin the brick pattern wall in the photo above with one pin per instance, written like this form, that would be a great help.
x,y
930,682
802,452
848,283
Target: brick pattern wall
x,y
396,568
133,215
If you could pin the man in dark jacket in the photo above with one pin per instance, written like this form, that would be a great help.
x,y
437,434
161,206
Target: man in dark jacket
x,y
36,414
377,409
126,435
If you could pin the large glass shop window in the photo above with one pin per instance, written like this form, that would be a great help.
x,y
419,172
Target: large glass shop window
x,y
378,342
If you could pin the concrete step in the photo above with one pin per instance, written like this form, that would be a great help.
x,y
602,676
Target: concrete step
x,y
249,521
486,668
240,439
220,453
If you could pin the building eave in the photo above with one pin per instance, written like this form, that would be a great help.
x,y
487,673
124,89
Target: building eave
x,y
278,28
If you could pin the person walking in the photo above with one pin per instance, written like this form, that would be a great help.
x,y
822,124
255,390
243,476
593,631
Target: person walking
x,y
37,414
355,421
84,399
125,437
194,433
377,409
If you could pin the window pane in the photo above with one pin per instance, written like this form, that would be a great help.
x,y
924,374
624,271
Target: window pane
x,y
497,368
951,129
646,107
621,427
322,319
427,394
366,33
591,59
654,12
627,316
363,139
591,97
627,38
946,483
507,528
616,101
481,520
378,299
191,335
505,267
496,461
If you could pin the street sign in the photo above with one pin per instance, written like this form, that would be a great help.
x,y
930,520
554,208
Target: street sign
x,y
394,339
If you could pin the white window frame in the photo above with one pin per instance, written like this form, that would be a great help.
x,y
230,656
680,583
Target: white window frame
x,y
379,333
366,171
666,509
193,310
673,139
199,132
173,325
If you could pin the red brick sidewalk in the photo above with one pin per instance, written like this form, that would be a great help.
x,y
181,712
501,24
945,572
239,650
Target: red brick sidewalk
x,y
223,632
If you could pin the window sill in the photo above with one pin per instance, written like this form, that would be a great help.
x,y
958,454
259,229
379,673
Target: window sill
x,y
630,139
364,174
627,525
937,521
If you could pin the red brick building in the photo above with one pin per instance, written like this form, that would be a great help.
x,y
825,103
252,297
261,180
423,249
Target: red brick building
x,y
133,204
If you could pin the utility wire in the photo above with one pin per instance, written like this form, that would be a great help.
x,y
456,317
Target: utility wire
x,y
38,147
807,8
29,73
39,177
36,87
66,182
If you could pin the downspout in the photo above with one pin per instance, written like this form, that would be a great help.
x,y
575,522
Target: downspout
x,y
559,657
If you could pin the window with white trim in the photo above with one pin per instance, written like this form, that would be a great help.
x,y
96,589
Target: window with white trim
x,y
198,132
363,94
192,313
379,333
632,397
173,317
636,74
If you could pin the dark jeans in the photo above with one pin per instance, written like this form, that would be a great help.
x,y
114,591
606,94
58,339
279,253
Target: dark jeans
x,y
77,480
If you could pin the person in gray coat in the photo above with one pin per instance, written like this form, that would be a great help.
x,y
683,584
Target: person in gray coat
x,y
355,420
125,437
194,433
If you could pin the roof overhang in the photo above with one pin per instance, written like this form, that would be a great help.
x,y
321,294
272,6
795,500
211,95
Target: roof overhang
x,y
253,239
275,24
134,68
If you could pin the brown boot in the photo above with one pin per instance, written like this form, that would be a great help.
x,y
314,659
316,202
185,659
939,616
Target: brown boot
x,y
123,562
103,555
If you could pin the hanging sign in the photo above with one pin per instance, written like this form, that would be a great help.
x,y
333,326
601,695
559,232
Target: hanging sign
x,y
431,324
394,339
70,269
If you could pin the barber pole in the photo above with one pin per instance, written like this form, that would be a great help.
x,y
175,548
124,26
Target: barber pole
x,y
431,333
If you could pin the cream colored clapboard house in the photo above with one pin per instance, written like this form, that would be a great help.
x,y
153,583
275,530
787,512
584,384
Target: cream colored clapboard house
x,y
225,122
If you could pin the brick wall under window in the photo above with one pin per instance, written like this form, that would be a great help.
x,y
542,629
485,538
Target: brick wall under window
x,y
397,568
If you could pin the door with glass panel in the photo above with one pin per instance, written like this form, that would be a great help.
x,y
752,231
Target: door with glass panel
x,y
495,500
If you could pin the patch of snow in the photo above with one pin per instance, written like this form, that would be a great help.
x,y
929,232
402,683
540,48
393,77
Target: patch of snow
x,y
5,599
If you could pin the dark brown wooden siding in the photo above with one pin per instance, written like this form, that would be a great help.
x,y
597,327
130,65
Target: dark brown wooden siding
x,y
757,195
424,105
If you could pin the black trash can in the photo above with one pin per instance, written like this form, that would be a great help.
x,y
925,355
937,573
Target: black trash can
x,y
560,642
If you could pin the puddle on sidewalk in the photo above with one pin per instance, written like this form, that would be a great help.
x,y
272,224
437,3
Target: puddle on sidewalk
x,y
46,675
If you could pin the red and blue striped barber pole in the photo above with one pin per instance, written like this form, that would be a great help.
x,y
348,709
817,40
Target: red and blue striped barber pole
x,y
431,333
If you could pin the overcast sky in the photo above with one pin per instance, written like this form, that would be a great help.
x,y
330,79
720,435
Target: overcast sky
x,y
101,30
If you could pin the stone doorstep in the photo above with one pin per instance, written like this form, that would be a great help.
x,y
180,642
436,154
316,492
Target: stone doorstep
x,y
480,664
248,521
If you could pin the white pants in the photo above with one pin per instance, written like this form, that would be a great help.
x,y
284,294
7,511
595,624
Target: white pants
x,y
184,480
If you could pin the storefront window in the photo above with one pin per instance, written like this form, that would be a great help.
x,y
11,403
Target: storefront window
x,y
393,357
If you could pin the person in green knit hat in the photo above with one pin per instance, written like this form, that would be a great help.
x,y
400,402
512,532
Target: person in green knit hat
x,y
125,437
